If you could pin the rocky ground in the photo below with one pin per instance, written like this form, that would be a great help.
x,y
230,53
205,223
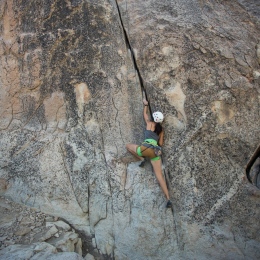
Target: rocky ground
x,y
24,229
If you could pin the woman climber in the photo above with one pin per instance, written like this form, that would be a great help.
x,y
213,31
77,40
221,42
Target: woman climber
x,y
153,137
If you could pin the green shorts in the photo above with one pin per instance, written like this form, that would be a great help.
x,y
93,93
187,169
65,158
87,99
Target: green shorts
x,y
147,152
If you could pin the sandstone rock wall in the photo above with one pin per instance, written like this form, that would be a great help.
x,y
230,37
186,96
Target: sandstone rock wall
x,y
70,99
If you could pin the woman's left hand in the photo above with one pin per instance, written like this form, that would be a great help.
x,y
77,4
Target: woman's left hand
x,y
145,102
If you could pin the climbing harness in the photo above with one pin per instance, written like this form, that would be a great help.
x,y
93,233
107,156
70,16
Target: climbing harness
x,y
153,144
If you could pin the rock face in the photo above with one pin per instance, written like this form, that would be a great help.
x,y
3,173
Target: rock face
x,y
70,99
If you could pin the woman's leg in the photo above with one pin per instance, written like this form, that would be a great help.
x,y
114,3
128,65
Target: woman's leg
x,y
132,149
157,167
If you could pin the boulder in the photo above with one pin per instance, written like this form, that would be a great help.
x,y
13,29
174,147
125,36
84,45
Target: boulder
x,y
89,257
59,224
23,231
67,242
45,234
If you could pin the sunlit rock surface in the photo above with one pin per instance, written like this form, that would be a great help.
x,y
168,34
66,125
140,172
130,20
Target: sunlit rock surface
x,y
70,99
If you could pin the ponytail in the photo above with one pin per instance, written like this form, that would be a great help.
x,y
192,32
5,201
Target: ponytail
x,y
158,128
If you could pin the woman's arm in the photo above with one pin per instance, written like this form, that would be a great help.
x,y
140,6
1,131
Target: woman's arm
x,y
161,135
146,117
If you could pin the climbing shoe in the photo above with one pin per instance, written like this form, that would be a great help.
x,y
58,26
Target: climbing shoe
x,y
169,204
142,163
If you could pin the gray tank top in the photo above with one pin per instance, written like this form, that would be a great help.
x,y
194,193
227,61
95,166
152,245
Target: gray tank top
x,y
148,134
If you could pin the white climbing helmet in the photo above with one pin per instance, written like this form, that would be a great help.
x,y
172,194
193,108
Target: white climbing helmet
x,y
158,117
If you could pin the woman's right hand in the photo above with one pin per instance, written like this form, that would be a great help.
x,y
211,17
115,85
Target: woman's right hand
x,y
145,102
